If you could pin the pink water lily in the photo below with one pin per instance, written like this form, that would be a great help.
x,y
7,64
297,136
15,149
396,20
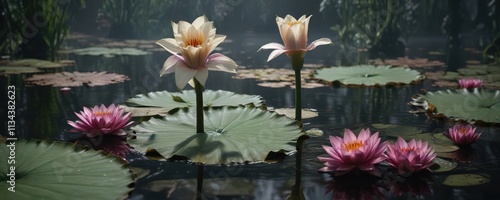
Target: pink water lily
x,y
101,121
191,48
352,152
463,134
294,35
470,83
410,157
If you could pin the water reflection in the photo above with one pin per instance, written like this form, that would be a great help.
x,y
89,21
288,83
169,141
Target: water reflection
x,y
355,186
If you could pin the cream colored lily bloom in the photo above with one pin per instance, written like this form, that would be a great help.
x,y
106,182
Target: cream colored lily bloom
x,y
191,46
294,34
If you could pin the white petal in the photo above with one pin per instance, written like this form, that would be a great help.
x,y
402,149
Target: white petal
x,y
272,45
275,54
200,21
169,44
318,42
216,41
183,75
220,62
202,75
175,28
170,64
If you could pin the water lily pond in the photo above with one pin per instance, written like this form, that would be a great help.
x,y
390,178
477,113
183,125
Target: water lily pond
x,y
337,105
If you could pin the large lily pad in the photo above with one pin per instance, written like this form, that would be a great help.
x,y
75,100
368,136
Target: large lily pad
x,y
470,105
233,135
369,75
278,78
76,79
172,100
55,171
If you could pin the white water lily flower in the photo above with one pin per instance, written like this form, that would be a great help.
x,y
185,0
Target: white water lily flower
x,y
294,34
191,48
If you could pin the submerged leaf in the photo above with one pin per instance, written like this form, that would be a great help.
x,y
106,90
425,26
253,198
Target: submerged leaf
x,y
369,75
76,79
460,180
54,170
232,135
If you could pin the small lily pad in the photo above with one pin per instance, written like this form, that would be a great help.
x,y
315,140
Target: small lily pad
x,y
395,130
76,79
409,62
442,165
108,52
7,70
144,111
290,112
315,132
36,63
461,180
438,144
369,75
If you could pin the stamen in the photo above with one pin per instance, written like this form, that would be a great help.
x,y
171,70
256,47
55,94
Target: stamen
x,y
353,145
101,114
193,42
293,23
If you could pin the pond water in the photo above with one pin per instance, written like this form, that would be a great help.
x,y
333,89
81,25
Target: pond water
x,y
43,111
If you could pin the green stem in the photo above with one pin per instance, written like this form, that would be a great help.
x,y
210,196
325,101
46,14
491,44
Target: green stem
x,y
198,88
199,182
297,63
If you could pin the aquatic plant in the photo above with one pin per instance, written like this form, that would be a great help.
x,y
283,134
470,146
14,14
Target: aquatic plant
x,y
463,134
294,35
470,83
352,152
101,121
191,60
410,157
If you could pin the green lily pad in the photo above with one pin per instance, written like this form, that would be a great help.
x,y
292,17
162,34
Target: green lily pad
x,y
172,100
108,52
144,111
54,170
469,105
439,144
7,70
460,180
36,63
442,165
76,79
369,75
395,130
232,135
290,112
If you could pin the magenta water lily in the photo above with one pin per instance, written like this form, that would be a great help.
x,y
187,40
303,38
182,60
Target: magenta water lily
x,y
470,83
351,152
101,120
410,157
463,134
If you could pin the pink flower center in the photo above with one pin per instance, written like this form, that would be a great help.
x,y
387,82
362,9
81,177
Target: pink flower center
x,y
355,145
407,149
293,23
194,42
101,113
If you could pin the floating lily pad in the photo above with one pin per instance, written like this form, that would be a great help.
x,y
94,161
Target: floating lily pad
x,y
290,112
172,100
36,63
278,78
54,170
314,132
144,111
489,74
108,52
395,130
408,62
232,135
369,75
469,105
76,79
439,144
7,70
461,180
442,165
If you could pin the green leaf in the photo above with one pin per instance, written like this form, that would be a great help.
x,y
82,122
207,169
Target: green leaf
x,y
394,130
469,105
442,165
36,63
439,144
108,52
55,171
172,100
460,180
7,70
232,135
369,75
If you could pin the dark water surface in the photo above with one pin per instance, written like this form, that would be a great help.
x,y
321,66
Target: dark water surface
x,y
43,111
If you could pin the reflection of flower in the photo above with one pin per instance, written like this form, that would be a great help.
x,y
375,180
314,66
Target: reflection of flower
x,y
462,134
416,185
294,34
463,155
101,121
410,157
353,186
112,144
470,83
194,42
351,152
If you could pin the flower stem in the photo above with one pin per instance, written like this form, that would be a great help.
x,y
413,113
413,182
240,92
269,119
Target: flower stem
x,y
297,63
199,182
198,88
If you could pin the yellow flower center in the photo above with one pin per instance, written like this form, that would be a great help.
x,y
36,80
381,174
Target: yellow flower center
x,y
463,131
102,114
353,145
293,23
194,42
